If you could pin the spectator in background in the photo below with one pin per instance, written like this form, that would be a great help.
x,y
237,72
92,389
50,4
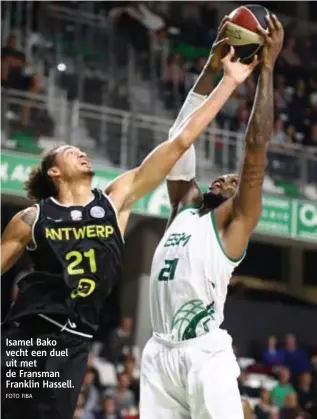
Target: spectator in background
x,y
289,56
280,93
313,104
314,371
109,410
209,19
90,389
133,372
298,108
242,122
311,140
290,132
306,52
291,409
263,409
121,343
283,388
274,414
13,63
229,112
280,139
127,19
80,412
306,396
174,81
295,359
192,32
122,394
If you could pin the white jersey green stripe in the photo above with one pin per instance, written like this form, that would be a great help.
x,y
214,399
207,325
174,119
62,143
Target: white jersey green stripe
x,y
189,277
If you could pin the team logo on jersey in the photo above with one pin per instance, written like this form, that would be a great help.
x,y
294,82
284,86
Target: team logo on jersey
x,y
192,319
76,215
97,212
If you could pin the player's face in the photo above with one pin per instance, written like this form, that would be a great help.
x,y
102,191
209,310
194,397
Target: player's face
x,y
71,163
221,189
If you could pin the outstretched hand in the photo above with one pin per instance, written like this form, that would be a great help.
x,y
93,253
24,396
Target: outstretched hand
x,y
273,41
236,70
219,48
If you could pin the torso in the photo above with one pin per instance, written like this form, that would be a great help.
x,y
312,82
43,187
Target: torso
x,y
76,253
189,277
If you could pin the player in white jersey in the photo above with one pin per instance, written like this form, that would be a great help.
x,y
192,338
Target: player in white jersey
x,y
188,369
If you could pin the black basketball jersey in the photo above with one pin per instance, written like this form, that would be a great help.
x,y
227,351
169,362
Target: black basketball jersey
x,y
77,253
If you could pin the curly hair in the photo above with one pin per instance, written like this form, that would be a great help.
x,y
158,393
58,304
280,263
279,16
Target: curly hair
x,y
39,185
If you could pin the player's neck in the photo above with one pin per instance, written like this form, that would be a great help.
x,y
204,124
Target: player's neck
x,y
75,193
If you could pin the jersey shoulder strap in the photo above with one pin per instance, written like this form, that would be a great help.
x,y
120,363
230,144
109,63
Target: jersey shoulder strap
x,y
33,245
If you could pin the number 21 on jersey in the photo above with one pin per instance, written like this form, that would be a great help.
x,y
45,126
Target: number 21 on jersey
x,y
85,286
168,272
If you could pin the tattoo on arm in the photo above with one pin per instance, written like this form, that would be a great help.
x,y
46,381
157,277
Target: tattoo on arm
x,y
249,197
28,216
253,175
261,122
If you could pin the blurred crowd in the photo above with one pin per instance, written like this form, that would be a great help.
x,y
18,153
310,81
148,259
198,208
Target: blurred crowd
x,y
111,388
171,41
281,383
190,31
28,120
186,31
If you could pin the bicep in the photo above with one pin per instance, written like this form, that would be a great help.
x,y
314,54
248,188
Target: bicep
x,y
234,230
246,206
15,238
248,201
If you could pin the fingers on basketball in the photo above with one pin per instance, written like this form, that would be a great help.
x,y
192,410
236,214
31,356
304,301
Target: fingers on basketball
x,y
223,24
270,23
266,35
255,61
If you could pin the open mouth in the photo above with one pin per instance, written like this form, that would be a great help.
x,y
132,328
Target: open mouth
x,y
215,185
85,163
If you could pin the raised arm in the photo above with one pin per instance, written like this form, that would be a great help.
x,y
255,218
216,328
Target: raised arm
x,y
133,185
16,236
181,184
238,218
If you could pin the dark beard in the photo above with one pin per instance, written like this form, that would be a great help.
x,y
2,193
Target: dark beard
x,y
212,201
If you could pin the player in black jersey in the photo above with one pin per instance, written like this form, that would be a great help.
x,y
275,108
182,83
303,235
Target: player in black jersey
x,y
74,237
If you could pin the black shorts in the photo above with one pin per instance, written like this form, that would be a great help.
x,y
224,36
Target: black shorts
x,y
41,384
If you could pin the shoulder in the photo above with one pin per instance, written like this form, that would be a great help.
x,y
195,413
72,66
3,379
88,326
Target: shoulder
x,y
28,215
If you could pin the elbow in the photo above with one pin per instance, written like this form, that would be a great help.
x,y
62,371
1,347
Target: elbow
x,y
184,141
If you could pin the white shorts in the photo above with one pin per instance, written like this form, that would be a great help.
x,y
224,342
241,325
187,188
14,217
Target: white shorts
x,y
194,379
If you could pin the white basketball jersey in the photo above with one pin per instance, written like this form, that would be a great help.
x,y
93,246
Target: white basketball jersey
x,y
189,277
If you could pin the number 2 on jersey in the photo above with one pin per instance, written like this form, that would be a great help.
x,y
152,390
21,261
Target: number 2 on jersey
x,y
85,286
168,272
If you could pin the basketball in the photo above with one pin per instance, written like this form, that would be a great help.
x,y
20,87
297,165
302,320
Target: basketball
x,y
241,30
